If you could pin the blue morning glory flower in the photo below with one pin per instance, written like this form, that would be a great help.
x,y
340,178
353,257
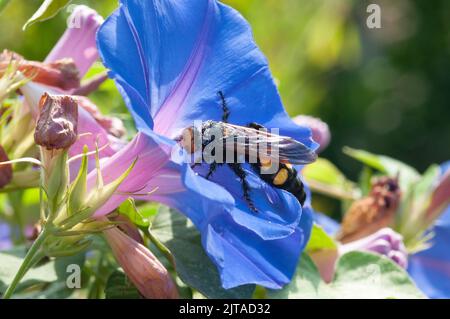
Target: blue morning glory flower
x,y
169,59
430,268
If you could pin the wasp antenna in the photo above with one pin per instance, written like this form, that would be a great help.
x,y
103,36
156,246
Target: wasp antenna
x,y
225,109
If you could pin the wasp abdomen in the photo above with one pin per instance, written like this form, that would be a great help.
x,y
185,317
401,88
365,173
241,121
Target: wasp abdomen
x,y
285,178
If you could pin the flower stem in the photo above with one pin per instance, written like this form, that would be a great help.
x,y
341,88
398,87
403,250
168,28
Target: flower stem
x,y
26,264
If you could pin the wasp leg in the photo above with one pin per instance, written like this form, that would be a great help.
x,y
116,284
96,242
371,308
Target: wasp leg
x,y
212,169
226,110
239,171
256,126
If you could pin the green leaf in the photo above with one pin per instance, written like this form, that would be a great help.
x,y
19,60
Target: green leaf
x,y
3,4
358,275
408,175
9,265
320,240
365,180
47,10
119,287
324,177
193,265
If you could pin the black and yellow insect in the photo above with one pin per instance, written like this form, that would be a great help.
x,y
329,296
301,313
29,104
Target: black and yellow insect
x,y
271,156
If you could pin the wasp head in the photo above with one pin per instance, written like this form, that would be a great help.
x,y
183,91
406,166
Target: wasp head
x,y
190,139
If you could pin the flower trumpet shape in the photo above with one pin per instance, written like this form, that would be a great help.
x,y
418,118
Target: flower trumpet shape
x,y
169,60
145,271
78,42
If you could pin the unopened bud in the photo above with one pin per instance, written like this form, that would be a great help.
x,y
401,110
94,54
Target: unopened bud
x,y
146,272
385,242
6,171
57,124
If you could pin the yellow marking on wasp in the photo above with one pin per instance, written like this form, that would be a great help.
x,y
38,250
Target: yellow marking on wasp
x,y
281,177
265,161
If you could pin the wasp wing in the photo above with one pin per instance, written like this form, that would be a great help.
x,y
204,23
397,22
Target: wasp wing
x,y
255,144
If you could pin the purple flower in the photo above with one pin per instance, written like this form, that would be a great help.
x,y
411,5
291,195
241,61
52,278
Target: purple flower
x,y
169,60
385,242
5,236
78,42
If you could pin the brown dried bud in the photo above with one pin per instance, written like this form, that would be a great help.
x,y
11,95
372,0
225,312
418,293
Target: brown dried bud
x,y
371,213
56,127
63,73
6,171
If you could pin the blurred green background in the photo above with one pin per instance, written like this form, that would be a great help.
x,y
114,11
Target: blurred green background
x,y
385,90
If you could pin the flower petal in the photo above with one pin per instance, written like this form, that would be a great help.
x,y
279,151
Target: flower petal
x,y
168,63
78,42
244,258
430,268
274,219
158,174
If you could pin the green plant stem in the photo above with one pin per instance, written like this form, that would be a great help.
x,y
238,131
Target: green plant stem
x,y
26,264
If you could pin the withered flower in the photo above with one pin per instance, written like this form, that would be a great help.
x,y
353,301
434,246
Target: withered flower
x,y
56,127
62,73
6,171
373,212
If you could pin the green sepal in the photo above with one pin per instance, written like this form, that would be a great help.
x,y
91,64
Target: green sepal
x,y
102,195
70,250
78,189
57,180
97,200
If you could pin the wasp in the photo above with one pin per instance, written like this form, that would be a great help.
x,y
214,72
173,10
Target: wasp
x,y
271,156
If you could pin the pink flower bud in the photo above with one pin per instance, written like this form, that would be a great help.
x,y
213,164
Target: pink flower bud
x,y
319,129
145,271
56,127
384,242
78,42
